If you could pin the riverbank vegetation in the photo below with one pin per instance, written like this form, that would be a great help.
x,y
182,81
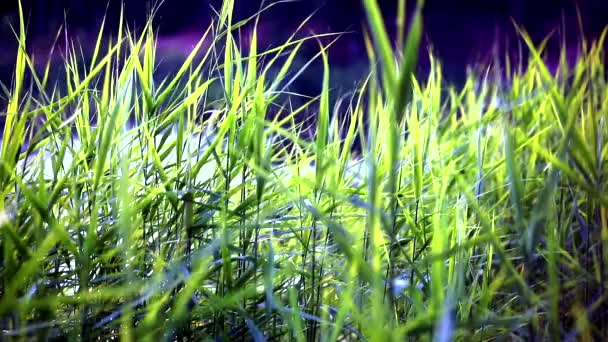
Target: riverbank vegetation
x,y
194,206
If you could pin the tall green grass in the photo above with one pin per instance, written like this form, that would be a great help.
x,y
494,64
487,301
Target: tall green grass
x,y
212,217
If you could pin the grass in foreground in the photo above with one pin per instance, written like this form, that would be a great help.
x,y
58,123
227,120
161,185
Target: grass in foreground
x,y
471,217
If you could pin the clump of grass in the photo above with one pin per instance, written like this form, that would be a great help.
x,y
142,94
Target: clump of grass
x,y
463,217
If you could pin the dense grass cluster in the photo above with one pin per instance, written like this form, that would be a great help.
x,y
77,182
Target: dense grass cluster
x,y
193,208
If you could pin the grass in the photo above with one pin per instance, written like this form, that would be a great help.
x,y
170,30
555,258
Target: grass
x,y
193,207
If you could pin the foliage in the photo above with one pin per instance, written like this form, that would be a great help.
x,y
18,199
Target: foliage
x,y
192,207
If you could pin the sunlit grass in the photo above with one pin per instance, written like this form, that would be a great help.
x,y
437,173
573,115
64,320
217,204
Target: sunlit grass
x,y
194,207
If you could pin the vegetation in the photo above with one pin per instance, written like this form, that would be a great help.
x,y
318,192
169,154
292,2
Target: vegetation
x,y
479,212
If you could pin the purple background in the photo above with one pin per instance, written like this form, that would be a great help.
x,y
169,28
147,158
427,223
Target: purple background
x,y
461,32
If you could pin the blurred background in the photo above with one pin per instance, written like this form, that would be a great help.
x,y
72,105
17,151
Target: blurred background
x,y
461,32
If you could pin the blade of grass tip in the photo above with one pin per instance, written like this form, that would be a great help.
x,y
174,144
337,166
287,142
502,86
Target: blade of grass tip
x,y
235,94
304,67
322,124
31,67
252,60
563,59
284,69
182,70
579,140
13,104
351,131
581,31
72,66
104,101
410,55
99,37
291,41
228,58
75,92
382,44
417,141
109,129
146,71
254,16
436,85
400,24
226,12
262,158
193,97
120,32
47,67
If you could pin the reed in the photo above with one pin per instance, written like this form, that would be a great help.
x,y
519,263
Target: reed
x,y
462,217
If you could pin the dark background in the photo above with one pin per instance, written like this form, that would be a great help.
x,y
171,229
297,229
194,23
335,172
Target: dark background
x,y
461,32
